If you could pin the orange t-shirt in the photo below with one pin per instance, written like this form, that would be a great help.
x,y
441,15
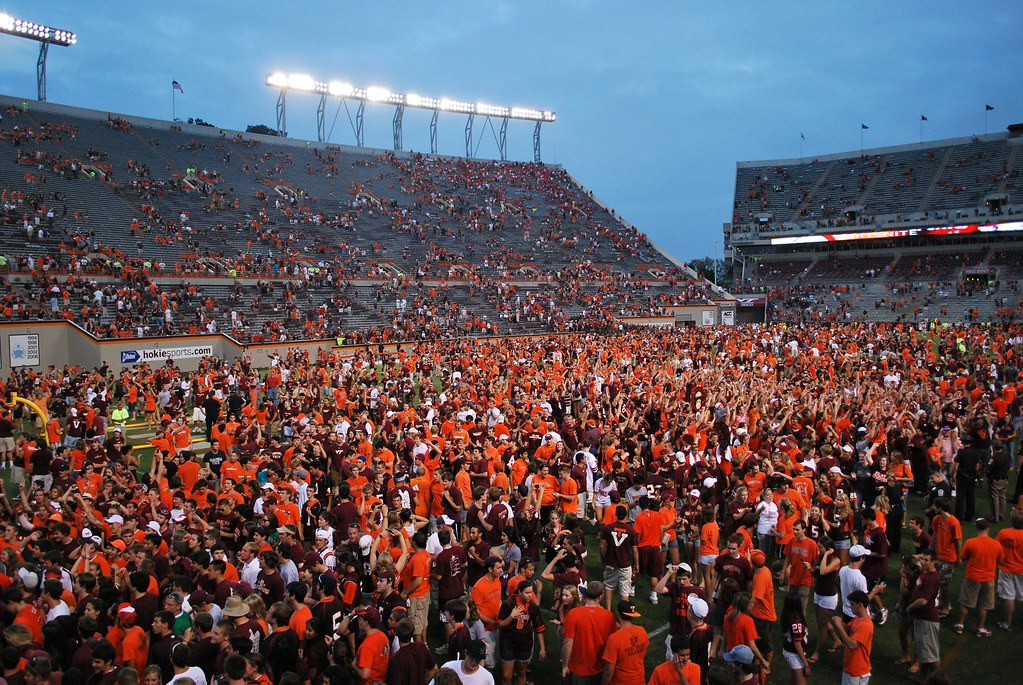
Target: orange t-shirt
x,y
946,533
626,649
763,595
589,629
710,536
981,555
418,567
666,674
1011,540
648,528
486,594
373,654
739,631
856,662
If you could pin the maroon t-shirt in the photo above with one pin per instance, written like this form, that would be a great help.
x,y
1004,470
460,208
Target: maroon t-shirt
x,y
619,539
450,564
741,570
927,587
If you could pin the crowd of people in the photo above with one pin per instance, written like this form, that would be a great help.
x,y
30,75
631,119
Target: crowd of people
x,y
469,512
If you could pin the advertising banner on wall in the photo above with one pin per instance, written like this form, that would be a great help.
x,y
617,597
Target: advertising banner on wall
x,y
160,354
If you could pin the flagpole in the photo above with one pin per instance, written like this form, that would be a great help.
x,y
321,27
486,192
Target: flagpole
x,y
986,110
174,104
921,131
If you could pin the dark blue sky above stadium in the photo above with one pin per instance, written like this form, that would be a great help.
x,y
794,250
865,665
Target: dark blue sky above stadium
x,y
655,102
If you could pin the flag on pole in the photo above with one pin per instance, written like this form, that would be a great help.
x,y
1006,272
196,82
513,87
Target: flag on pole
x,y
802,137
988,108
177,86
923,118
864,127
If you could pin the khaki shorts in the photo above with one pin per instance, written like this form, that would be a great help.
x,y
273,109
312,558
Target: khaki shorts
x,y
419,611
619,579
7,444
972,591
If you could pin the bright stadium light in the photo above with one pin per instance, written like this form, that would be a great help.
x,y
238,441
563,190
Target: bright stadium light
x,y
33,31
340,89
45,35
302,82
492,110
378,94
278,79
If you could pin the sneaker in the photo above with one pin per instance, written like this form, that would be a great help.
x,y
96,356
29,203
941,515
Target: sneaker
x,y
958,628
653,598
884,617
983,632
1004,626
443,649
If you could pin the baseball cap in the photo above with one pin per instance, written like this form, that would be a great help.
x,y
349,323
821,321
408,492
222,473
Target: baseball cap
x,y
857,551
447,520
758,557
115,518
200,597
694,493
386,575
323,534
698,606
709,482
476,650
685,568
739,653
627,609
286,530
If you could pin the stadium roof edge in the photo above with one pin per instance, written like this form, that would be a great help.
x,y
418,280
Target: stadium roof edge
x,y
926,145
36,106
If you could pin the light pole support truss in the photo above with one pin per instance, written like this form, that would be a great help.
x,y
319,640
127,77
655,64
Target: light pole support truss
x,y
358,123
282,116
433,132
44,47
399,112
468,136
536,142
321,111
503,139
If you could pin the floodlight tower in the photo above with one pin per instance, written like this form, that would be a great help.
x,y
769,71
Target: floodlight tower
x,y
44,35
375,94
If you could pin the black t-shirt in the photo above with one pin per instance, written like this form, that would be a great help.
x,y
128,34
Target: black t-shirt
x,y
969,459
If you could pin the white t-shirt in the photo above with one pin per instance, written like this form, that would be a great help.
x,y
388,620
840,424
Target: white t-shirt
x,y
849,580
193,672
480,677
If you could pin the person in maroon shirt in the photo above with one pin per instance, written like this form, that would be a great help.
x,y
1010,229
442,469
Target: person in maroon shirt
x,y
677,584
620,555
731,564
476,550
449,569
923,609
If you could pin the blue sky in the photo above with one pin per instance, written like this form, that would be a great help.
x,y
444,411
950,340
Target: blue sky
x,y
655,101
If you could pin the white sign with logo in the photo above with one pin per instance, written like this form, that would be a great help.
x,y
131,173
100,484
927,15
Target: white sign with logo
x,y
164,353
24,349
708,317
728,316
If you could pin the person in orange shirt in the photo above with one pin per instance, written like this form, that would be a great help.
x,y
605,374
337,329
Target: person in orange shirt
x,y
679,670
371,658
857,638
982,555
1010,568
416,583
486,593
625,650
568,494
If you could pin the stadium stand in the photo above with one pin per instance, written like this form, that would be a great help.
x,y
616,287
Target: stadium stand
x,y
135,227
892,234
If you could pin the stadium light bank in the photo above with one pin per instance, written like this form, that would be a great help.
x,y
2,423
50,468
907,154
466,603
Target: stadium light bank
x,y
345,91
44,35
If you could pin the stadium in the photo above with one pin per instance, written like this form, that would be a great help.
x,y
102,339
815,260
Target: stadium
x,y
281,410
